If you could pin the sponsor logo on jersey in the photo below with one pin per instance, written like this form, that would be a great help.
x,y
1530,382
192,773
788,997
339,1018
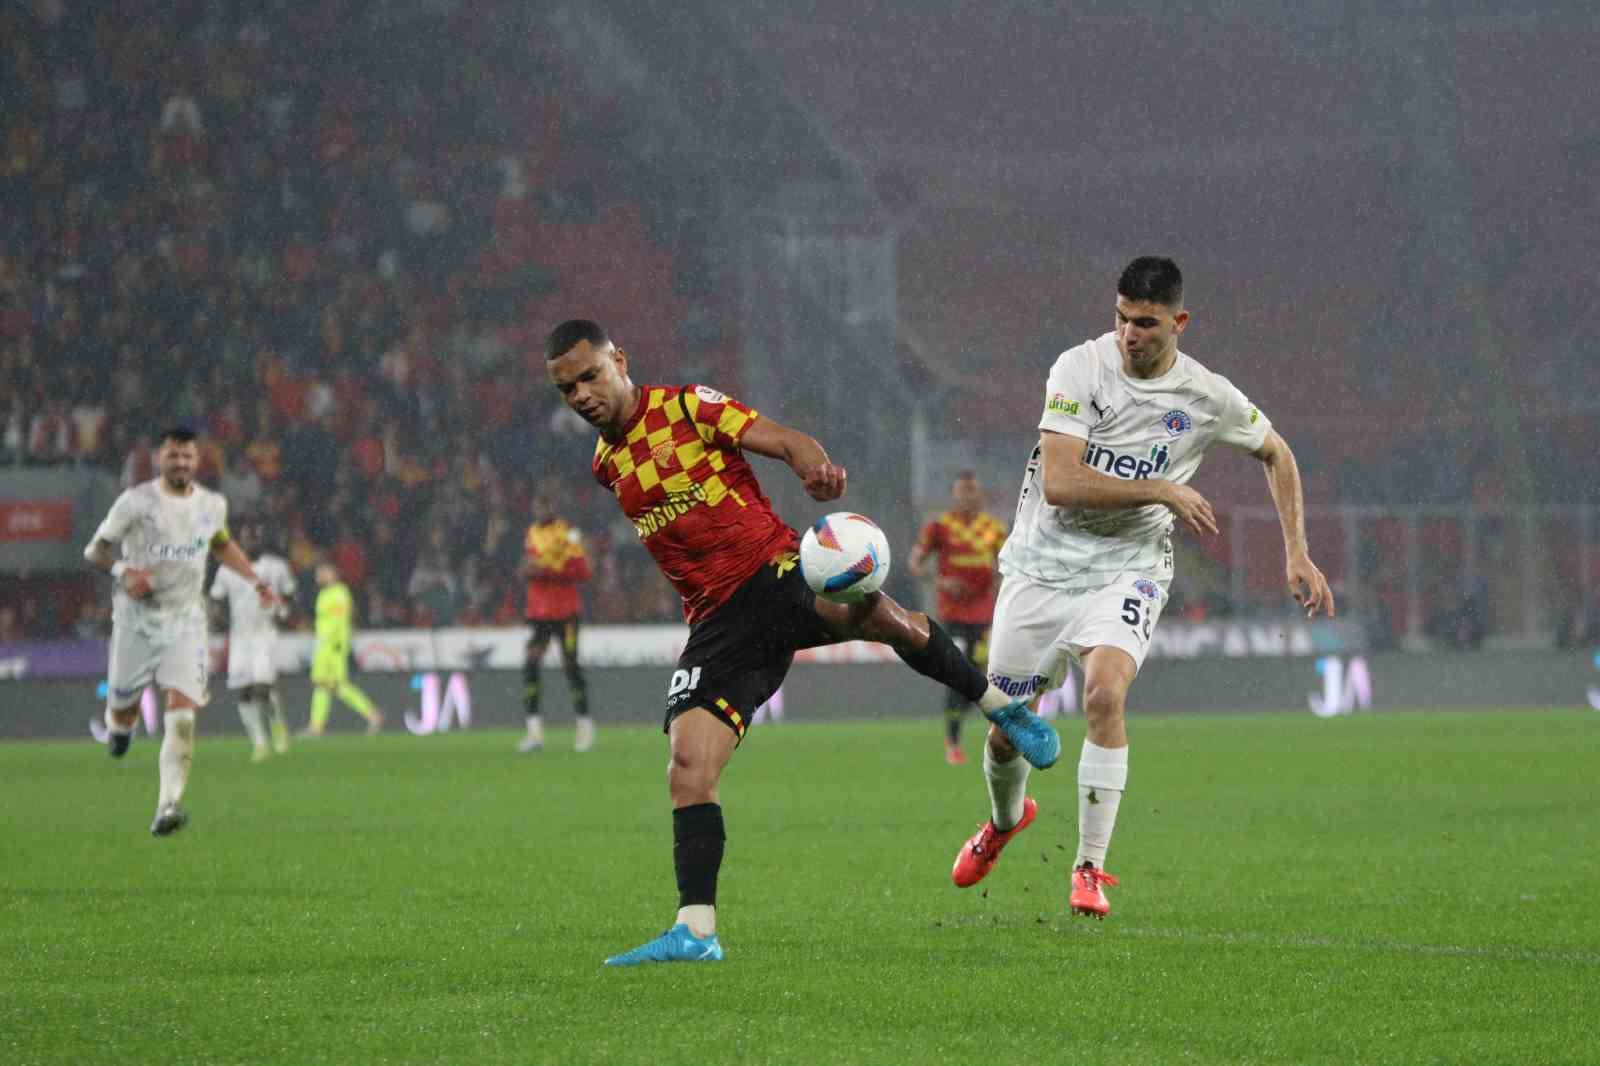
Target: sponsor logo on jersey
x,y
664,514
1127,467
1255,416
1177,423
181,553
1148,589
709,395
1061,405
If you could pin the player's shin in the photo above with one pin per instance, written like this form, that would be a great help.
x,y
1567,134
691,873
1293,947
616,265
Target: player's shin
x,y
698,837
945,663
250,715
1008,787
321,705
1102,778
177,753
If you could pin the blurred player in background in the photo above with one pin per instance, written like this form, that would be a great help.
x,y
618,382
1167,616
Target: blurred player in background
x,y
252,640
154,543
330,663
1127,417
967,540
674,458
554,564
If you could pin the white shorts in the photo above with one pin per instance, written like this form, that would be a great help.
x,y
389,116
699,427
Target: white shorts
x,y
250,661
1037,628
176,660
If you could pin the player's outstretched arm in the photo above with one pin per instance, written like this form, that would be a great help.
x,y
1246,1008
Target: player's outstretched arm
x,y
1070,482
805,456
1306,583
229,554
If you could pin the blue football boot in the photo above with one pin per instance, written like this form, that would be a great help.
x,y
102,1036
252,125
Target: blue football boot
x,y
1031,735
675,945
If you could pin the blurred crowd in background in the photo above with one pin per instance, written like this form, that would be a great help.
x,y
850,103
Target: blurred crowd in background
x,y
337,262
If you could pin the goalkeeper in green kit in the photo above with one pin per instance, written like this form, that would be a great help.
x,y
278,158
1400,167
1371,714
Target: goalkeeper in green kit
x,y
330,663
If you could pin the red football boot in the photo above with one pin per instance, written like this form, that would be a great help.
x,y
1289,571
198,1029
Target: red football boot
x,y
953,754
1086,895
979,854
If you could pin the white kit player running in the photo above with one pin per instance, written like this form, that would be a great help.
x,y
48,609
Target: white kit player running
x,y
154,543
252,641
1086,569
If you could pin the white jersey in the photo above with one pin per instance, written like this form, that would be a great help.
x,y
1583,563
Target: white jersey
x,y
1134,428
170,536
247,619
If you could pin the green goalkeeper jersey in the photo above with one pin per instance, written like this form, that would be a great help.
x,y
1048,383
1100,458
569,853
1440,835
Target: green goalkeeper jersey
x,y
334,610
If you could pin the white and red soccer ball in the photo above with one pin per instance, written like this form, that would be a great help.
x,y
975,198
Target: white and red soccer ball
x,y
844,557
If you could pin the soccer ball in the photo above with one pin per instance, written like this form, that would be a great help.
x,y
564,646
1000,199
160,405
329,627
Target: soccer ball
x,y
844,557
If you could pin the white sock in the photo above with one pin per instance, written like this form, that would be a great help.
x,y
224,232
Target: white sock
x,y
536,727
177,752
993,700
277,708
250,715
1102,778
701,918
1008,787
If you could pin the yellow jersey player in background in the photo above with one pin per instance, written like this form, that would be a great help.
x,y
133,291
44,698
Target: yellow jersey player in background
x,y
330,663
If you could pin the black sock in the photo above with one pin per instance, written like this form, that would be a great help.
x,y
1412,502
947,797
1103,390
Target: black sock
x,y
941,660
530,688
580,690
697,840
952,724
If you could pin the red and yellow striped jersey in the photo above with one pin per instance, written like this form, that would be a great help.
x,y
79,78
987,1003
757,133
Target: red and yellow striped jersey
x,y
692,496
967,546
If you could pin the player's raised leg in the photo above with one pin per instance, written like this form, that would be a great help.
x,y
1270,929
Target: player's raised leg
x,y
701,744
923,645
1102,772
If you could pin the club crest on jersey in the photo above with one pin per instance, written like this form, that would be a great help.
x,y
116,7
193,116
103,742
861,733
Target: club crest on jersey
x,y
663,455
1148,589
1177,422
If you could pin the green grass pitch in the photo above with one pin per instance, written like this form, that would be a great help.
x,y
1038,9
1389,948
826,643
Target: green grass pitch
x,y
1419,887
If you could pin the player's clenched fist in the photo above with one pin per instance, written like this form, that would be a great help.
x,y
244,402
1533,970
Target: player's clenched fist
x,y
826,482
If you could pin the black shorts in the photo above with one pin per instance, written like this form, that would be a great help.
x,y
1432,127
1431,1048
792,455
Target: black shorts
x,y
736,659
564,631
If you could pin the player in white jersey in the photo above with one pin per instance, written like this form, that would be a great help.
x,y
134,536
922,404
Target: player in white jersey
x,y
154,544
1086,569
252,638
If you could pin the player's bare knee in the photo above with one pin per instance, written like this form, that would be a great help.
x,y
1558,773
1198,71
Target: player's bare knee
x,y
1103,702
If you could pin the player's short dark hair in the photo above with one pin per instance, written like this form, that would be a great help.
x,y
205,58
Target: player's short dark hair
x,y
566,336
968,474
1152,279
179,435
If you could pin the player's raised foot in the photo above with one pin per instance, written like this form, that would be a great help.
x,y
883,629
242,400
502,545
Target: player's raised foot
x,y
260,753
118,743
585,738
1031,735
979,854
1087,897
953,754
675,945
280,738
169,819
374,723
